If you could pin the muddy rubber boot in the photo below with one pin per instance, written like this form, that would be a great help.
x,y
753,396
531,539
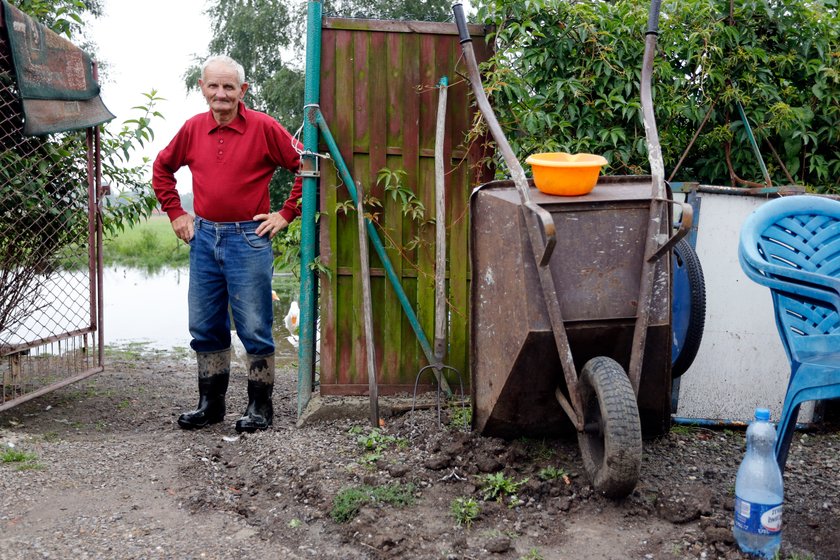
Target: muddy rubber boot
x,y
260,411
213,377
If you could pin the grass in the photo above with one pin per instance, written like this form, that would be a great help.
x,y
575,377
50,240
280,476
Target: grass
x,y
135,351
150,245
349,501
23,461
129,352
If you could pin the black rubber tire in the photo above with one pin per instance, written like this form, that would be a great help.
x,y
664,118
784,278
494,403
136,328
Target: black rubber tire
x,y
686,258
611,443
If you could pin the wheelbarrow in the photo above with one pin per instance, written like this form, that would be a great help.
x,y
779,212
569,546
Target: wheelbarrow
x,y
563,285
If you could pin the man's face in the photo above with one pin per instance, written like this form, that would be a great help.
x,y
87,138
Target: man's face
x,y
221,89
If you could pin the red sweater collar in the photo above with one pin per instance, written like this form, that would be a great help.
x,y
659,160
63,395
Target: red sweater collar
x,y
237,124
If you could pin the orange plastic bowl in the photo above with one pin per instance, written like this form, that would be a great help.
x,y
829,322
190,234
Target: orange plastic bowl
x,y
565,174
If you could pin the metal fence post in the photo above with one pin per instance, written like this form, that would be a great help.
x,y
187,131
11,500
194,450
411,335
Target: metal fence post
x,y
309,166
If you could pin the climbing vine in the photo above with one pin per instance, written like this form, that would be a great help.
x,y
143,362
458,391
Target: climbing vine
x,y
565,76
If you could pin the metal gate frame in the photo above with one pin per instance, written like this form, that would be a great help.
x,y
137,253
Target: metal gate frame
x,y
51,351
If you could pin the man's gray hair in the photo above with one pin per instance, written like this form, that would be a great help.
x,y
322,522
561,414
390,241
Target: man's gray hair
x,y
240,72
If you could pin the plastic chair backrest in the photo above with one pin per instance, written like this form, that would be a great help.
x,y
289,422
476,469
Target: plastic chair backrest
x,y
792,245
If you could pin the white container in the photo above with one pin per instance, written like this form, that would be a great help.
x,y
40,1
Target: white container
x,y
741,363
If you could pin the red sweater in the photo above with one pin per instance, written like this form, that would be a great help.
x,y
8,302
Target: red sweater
x,y
231,167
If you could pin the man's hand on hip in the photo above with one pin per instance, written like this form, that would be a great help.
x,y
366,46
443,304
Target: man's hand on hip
x,y
183,227
271,223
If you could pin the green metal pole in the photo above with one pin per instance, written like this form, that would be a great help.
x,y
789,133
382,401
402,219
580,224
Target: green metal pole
x,y
754,145
373,235
308,240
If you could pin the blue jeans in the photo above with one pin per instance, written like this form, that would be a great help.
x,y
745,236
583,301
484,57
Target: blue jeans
x,y
230,265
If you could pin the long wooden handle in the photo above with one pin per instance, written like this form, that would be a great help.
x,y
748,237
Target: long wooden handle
x,y
367,312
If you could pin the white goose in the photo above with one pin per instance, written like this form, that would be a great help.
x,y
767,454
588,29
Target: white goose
x,y
292,323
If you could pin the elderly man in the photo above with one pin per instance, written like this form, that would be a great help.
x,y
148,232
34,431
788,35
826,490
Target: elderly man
x,y
232,152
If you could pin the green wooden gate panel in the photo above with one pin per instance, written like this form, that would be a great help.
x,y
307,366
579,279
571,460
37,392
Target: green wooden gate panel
x,y
379,97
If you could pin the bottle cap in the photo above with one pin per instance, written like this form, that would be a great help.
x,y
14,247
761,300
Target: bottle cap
x,y
762,414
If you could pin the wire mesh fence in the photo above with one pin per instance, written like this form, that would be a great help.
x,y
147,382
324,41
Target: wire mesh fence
x,y
48,304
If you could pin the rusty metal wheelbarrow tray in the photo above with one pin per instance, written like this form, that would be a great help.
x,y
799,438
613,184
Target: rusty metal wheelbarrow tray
x,y
596,267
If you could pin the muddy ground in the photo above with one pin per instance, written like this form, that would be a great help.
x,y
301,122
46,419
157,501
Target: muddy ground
x,y
101,470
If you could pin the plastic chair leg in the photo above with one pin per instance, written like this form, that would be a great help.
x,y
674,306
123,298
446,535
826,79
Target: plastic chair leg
x,y
817,385
787,425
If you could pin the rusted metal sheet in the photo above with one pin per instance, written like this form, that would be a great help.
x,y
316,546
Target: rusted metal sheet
x,y
596,268
378,94
55,78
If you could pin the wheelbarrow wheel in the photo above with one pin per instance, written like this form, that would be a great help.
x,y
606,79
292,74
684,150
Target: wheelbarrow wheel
x,y
611,441
688,307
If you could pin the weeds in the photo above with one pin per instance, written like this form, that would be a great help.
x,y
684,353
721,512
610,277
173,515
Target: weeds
x,y
375,443
541,451
552,473
681,430
461,417
514,501
793,556
23,461
465,511
371,458
496,486
533,554
349,501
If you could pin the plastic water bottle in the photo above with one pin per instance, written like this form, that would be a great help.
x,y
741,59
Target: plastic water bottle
x,y
759,491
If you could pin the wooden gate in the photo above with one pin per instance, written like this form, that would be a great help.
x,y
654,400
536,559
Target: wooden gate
x,y
379,96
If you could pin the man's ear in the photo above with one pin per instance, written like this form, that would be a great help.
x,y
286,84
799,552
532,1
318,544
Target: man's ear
x,y
244,89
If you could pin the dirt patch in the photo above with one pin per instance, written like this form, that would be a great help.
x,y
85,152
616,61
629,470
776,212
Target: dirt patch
x,y
109,474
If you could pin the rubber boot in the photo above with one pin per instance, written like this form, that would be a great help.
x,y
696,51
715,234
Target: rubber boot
x,y
213,377
260,411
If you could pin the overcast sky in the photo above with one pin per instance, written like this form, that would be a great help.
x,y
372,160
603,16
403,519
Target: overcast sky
x,y
148,45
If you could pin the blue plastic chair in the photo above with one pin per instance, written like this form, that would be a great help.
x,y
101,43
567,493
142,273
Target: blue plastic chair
x,y
792,246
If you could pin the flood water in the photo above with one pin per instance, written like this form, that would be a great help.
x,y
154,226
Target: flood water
x,y
151,308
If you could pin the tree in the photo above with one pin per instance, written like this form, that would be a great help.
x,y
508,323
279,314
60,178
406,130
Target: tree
x,y
62,16
565,76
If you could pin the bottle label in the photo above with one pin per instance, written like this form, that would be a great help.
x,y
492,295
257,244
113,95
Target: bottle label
x,y
760,519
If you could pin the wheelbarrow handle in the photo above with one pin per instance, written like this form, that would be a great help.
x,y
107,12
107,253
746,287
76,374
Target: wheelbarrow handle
x,y
653,17
686,221
548,231
461,22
